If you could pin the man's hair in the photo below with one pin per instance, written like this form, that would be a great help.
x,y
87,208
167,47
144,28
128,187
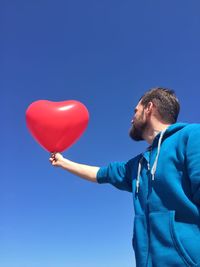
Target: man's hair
x,y
166,102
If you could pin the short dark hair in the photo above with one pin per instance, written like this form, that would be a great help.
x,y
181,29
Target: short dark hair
x,y
166,102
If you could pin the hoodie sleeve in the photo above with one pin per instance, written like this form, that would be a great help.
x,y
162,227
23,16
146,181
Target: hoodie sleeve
x,y
193,162
118,174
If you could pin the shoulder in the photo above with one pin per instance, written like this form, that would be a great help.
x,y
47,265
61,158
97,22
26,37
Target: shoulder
x,y
191,135
192,126
135,160
191,129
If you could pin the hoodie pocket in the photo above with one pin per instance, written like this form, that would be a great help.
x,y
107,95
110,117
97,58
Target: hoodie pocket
x,y
140,240
165,246
186,239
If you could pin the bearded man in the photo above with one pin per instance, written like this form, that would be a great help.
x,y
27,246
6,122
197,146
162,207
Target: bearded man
x,y
164,181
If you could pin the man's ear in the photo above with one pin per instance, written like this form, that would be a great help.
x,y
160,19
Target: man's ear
x,y
149,107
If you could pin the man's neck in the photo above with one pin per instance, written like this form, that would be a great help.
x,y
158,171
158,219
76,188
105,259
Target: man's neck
x,y
152,132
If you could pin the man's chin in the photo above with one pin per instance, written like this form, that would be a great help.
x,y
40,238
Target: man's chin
x,y
136,136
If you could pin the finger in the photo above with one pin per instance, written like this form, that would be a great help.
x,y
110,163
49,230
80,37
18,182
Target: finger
x,y
53,154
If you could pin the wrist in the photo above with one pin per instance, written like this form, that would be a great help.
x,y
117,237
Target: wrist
x,y
64,163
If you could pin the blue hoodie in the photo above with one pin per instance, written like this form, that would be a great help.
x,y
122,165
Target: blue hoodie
x,y
165,183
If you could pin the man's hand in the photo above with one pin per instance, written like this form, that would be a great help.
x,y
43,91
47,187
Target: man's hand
x,y
84,171
56,159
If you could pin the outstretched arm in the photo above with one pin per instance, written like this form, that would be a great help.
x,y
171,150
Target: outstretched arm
x,y
84,171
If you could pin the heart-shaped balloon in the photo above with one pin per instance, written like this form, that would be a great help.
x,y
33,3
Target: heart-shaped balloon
x,y
56,125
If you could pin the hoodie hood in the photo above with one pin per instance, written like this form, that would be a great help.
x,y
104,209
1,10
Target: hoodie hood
x,y
173,128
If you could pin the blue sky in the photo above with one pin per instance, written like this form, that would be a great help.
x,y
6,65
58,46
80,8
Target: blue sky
x,y
105,54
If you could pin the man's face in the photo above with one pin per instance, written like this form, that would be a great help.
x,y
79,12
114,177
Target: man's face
x,y
139,123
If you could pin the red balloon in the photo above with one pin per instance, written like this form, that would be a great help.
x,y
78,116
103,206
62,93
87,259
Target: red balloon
x,y
56,125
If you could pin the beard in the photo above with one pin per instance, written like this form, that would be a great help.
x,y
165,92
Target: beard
x,y
137,130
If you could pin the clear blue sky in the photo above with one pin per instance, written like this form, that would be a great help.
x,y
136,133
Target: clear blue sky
x,y
105,54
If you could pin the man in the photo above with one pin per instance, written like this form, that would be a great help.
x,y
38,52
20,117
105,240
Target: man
x,y
164,180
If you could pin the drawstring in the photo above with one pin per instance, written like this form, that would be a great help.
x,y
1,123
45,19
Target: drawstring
x,y
138,175
153,170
